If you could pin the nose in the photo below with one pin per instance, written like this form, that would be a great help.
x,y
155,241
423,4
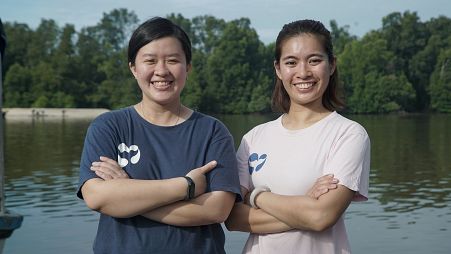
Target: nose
x,y
303,70
161,68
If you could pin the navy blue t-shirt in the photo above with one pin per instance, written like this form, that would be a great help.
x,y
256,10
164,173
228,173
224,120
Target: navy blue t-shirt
x,y
146,151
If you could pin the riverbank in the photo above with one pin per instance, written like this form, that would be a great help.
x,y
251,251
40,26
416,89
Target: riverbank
x,y
17,113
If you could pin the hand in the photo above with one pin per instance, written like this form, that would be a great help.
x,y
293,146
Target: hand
x,y
198,176
322,186
108,169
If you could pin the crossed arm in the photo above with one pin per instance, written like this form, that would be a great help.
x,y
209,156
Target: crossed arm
x,y
118,196
315,211
160,200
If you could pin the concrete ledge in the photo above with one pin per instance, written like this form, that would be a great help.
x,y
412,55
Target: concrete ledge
x,y
10,113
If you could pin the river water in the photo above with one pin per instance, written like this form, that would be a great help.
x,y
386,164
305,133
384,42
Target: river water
x,y
409,210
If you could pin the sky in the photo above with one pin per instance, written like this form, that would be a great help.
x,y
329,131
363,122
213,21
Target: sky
x,y
267,16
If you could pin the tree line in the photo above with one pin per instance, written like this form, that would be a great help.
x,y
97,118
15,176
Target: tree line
x,y
405,66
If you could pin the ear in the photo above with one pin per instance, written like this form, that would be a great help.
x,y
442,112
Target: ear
x,y
277,69
132,69
188,68
333,66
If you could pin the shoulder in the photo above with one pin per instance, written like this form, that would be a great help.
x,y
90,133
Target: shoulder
x,y
348,126
112,120
262,129
204,122
113,116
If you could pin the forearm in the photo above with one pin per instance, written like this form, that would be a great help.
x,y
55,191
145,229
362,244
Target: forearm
x,y
208,208
247,219
296,211
305,213
131,197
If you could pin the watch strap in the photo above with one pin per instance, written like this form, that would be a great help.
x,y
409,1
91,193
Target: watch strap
x,y
191,188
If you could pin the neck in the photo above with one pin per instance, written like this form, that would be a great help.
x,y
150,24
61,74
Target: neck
x,y
162,115
300,118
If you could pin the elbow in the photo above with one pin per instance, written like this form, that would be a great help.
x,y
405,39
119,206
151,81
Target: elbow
x,y
91,196
230,225
222,218
220,215
92,205
222,209
322,221
236,219
92,202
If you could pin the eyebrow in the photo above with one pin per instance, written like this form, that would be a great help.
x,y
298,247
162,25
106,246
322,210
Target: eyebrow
x,y
311,55
153,55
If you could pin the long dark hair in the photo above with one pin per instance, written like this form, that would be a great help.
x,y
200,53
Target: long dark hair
x,y
157,28
280,99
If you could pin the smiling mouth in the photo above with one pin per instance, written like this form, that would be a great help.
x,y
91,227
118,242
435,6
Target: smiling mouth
x,y
161,84
305,85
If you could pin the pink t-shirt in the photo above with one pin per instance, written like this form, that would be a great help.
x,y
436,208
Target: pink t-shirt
x,y
289,162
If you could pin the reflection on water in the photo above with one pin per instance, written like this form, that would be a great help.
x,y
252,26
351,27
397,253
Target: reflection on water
x,y
42,159
408,211
410,161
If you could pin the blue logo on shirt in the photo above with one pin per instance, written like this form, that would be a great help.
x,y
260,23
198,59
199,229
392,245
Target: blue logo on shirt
x,y
256,162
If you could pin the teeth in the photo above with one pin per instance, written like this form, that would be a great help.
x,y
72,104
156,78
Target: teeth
x,y
304,85
161,83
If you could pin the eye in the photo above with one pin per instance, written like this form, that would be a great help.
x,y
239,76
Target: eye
x,y
315,61
290,63
150,61
173,61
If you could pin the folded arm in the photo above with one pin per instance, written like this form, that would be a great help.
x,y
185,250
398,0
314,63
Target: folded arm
x,y
247,219
244,218
118,196
208,208
131,197
302,212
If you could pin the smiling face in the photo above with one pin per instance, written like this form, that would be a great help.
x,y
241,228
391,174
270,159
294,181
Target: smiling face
x,y
161,70
305,70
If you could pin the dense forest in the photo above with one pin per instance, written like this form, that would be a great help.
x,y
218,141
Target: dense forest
x,y
405,66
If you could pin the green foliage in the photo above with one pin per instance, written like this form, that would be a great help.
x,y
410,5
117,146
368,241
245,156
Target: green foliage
x,y
373,84
17,87
340,36
440,88
18,36
403,66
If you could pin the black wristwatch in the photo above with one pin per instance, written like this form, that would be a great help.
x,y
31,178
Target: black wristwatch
x,y
191,188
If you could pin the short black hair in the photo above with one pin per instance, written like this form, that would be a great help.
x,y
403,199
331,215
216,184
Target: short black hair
x,y
157,28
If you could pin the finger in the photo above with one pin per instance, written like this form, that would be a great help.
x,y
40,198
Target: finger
x,y
327,181
208,167
332,186
325,178
108,160
112,173
109,168
103,176
321,192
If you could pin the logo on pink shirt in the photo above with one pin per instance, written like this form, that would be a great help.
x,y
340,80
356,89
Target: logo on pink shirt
x,y
256,162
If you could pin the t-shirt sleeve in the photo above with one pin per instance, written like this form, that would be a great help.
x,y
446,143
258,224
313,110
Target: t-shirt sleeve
x,y
349,161
98,142
225,176
242,157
